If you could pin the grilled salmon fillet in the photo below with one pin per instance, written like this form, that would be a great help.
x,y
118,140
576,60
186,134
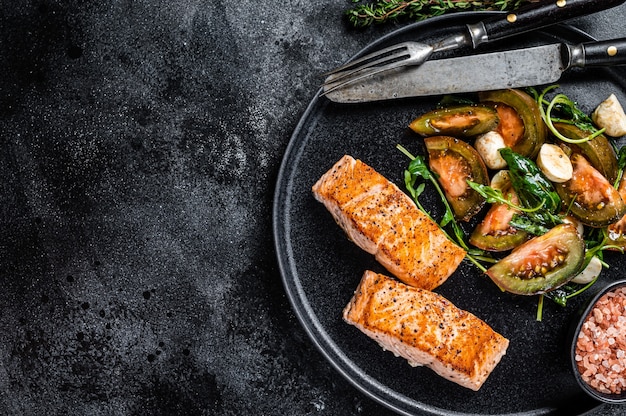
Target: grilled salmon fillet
x,y
425,329
382,220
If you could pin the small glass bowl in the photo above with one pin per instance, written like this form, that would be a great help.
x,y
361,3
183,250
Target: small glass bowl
x,y
604,397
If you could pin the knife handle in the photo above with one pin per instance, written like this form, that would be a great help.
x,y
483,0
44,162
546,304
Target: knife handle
x,y
599,53
535,16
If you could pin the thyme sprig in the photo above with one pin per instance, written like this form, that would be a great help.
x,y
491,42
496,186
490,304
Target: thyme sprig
x,y
383,11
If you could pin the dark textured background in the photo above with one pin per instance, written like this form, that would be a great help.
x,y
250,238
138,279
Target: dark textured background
x,y
140,142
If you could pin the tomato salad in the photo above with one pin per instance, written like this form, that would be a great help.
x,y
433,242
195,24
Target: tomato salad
x,y
548,176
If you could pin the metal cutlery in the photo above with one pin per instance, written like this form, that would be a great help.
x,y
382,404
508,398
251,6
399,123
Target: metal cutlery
x,y
528,18
515,68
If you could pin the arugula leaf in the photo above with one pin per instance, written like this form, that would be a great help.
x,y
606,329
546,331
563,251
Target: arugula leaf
x,y
561,294
493,196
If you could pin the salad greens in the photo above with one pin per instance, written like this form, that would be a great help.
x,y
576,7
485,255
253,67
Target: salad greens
x,y
621,164
539,208
533,189
565,111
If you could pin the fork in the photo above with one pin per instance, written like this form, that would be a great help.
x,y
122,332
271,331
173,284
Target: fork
x,y
530,17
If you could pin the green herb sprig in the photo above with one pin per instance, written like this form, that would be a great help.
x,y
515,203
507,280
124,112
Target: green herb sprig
x,y
493,196
621,165
383,11
530,219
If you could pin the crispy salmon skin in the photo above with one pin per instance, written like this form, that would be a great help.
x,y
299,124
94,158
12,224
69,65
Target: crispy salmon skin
x,y
425,329
382,220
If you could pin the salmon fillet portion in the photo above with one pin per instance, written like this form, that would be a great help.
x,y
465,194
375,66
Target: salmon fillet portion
x,y
381,219
425,329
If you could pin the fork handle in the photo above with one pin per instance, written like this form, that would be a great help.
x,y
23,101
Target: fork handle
x,y
535,16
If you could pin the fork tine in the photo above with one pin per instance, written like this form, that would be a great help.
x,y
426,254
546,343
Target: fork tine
x,y
365,58
367,72
390,59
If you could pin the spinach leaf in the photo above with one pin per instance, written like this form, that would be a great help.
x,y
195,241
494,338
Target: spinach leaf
x,y
530,184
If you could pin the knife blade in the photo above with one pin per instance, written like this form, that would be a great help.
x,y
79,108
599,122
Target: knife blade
x,y
532,16
515,68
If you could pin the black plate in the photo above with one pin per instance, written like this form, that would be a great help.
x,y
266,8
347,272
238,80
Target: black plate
x,y
321,268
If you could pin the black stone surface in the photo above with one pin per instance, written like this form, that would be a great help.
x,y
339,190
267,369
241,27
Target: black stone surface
x,y
139,146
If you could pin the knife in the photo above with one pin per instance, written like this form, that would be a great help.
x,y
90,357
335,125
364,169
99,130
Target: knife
x,y
483,72
534,15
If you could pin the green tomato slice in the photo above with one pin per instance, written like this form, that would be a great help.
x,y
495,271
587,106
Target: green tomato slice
x,y
455,162
617,231
522,128
598,150
541,264
590,196
458,121
494,232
